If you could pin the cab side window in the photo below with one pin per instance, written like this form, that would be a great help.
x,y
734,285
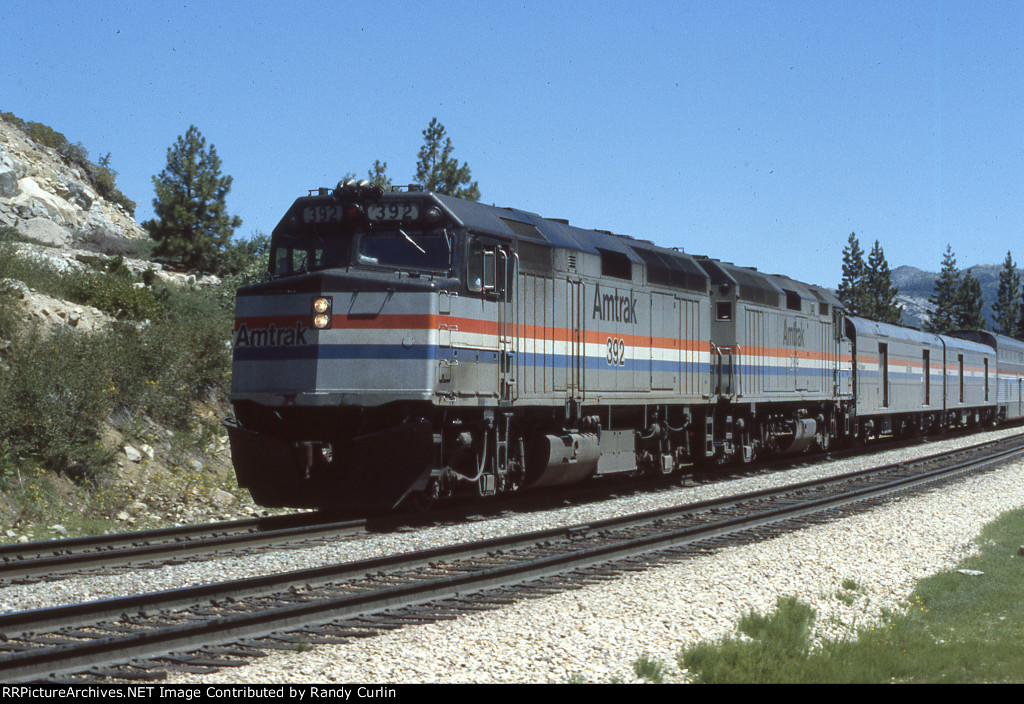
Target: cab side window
x,y
489,269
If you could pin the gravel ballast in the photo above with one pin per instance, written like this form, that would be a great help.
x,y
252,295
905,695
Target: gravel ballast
x,y
597,632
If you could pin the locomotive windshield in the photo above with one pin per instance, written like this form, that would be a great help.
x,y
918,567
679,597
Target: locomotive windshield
x,y
310,251
406,249
401,248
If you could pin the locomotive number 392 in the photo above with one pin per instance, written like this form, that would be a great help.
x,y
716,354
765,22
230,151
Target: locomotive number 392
x,y
616,354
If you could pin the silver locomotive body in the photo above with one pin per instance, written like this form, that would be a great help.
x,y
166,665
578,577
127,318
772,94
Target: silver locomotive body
x,y
782,378
333,375
408,343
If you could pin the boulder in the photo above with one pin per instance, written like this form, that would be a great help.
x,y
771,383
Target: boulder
x,y
41,202
46,231
77,193
8,182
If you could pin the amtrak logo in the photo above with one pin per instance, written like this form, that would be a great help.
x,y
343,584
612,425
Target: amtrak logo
x,y
793,335
271,336
613,307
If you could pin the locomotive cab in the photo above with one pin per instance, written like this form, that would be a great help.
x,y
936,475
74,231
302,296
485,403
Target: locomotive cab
x,y
335,353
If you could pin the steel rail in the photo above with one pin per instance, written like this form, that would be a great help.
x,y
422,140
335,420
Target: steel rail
x,y
18,552
60,564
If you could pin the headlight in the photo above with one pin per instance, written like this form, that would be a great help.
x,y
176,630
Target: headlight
x,y
322,312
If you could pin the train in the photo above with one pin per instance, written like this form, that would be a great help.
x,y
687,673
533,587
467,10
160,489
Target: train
x,y
406,347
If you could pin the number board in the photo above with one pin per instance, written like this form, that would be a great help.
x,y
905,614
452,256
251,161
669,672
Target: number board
x,y
323,213
380,212
393,211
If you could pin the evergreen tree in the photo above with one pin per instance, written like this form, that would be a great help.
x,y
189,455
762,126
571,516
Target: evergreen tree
x,y
852,288
879,291
378,175
192,222
437,171
945,296
1019,331
969,304
1007,305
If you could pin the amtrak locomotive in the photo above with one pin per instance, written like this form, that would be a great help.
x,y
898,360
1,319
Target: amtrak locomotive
x,y
413,346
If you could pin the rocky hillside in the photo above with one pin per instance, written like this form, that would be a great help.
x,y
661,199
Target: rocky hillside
x,y
50,201
916,286
157,455
52,204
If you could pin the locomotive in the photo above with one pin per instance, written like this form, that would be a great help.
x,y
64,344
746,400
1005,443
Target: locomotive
x,y
412,346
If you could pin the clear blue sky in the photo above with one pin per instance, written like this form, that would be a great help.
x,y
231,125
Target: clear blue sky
x,y
762,133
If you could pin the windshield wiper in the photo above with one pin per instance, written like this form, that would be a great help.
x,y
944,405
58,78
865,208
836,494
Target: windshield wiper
x,y
411,241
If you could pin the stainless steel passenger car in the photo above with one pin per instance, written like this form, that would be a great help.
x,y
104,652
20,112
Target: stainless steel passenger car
x,y
911,380
970,374
1009,360
898,377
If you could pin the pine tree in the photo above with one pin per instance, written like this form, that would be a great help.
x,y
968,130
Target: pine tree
x,y
969,306
945,295
192,222
1019,332
378,175
437,171
1007,305
852,290
879,291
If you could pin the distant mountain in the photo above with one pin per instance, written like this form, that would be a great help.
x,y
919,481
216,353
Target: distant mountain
x,y
916,286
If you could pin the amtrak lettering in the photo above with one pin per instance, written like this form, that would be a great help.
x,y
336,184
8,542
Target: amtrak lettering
x,y
793,335
271,336
614,308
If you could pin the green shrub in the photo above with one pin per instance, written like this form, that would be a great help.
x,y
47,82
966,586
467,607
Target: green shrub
x,y
100,175
113,294
54,393
103,179
45,135
179,358
8,320
649,669
168,351
773,645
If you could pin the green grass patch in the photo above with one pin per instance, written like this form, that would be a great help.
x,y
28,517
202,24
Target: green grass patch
x,y
766,649
649,669
957,628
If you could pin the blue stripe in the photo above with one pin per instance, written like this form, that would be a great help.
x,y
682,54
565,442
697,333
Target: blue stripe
x,y
435,353
323,352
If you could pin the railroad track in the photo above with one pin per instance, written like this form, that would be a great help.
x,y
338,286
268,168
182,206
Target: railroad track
x,y
232,622
53,559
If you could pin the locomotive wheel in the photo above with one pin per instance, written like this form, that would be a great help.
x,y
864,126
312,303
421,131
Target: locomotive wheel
x,y
824,441
425,501
419,502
